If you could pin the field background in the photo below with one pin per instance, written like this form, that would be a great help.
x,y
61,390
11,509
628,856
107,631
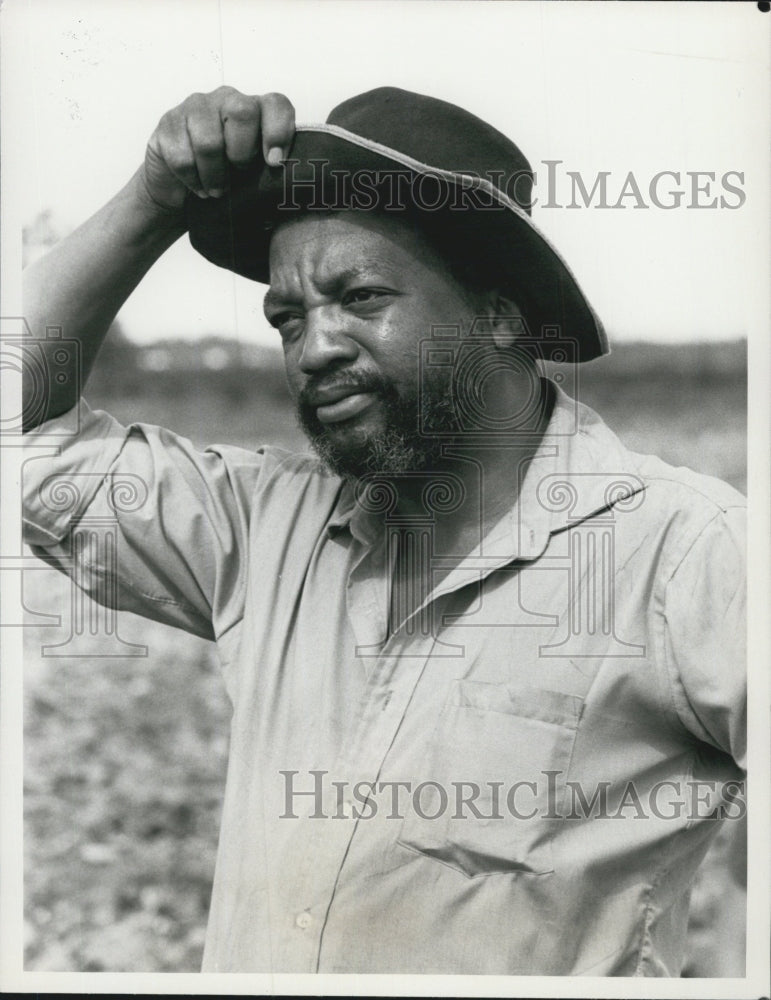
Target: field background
x,y
125,758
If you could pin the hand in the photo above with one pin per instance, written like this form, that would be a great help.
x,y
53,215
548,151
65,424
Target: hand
x,y
193,143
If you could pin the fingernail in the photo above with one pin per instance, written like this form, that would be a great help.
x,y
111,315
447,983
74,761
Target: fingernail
x,y
202,194
275,155
216,192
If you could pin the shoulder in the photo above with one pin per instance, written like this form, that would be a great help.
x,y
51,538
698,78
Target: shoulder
x,y
284,467
682,485
693,523
294,484
696,505
672,506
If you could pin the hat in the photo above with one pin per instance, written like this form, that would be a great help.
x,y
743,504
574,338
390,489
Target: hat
x,y
394,151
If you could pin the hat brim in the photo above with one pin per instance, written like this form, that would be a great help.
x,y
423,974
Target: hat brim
x,y
330,168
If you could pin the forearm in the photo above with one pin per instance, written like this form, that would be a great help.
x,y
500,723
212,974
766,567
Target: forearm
x,y
82,283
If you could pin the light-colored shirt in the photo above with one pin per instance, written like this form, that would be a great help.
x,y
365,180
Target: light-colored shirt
x,y
516,779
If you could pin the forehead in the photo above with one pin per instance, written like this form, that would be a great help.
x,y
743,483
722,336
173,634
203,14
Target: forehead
x,y
323,243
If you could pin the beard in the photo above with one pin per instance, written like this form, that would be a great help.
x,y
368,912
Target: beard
x,y
417,425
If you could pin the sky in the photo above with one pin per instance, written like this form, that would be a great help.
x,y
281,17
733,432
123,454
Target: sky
x,y
633,87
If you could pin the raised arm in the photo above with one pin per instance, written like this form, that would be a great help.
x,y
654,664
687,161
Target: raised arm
x,y
83,282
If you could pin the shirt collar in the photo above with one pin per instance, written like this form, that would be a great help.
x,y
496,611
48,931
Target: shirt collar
x,y
580,469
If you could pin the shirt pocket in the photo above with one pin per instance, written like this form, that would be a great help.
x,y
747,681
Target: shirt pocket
x,y
494,779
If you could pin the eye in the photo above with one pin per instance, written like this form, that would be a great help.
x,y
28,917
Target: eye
x,y
287,323
364,296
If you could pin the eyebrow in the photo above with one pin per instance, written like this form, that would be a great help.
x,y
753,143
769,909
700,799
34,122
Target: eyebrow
x,y
272,299
364,269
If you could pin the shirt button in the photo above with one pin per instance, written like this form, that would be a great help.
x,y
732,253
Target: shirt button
x,y
303,920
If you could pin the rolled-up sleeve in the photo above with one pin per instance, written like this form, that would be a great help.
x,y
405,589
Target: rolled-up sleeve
x,y
706,634
178,518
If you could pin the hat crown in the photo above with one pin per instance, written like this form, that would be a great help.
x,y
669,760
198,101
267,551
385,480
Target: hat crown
x,y
439,134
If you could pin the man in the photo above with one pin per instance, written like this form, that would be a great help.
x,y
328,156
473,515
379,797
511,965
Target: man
x,y
485,663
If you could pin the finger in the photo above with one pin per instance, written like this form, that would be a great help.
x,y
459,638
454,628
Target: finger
x,y
177,153
277,127
207,140
240,116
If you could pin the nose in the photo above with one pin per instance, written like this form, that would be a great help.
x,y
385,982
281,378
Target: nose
x,y
325,341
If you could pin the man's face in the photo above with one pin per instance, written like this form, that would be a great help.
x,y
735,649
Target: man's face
x,y
352,295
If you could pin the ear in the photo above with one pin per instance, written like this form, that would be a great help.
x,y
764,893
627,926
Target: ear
x,y
507,322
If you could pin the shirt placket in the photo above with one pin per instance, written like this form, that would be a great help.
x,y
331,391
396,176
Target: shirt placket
x,y
393,678
393,671
325,841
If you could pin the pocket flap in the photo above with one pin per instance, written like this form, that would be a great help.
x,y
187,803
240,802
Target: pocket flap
x,y
554,707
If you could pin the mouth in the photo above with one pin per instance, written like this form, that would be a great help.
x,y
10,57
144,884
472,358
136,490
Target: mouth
x,y
340,400
344,407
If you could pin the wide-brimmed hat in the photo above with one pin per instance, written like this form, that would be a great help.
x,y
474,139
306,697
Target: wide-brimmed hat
x,y
448,171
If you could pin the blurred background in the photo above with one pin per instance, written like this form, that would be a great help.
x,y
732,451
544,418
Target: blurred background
x,y
125,756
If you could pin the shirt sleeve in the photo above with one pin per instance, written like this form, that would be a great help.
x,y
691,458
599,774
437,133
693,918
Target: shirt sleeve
x,y
142,520
706,634
717,919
